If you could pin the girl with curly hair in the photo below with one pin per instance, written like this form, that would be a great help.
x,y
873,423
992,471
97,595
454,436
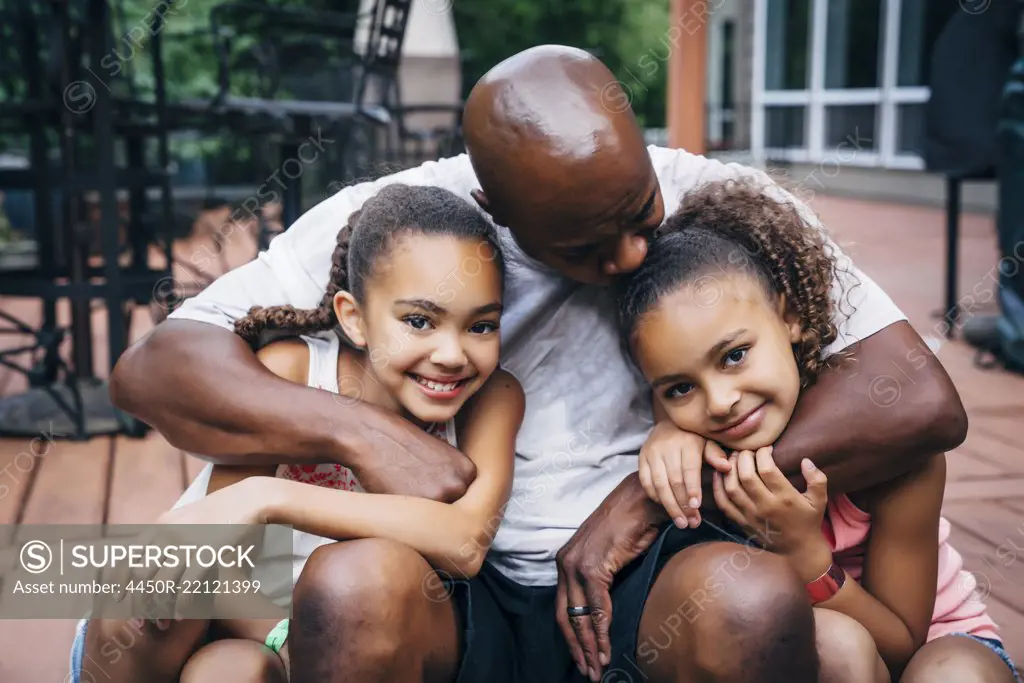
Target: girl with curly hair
x,y
409,322
726,320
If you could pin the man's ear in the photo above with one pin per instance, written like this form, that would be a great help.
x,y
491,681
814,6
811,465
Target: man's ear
x,y
481,199
346,309
484,203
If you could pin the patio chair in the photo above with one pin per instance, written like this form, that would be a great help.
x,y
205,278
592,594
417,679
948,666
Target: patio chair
x,y
287,74
961,118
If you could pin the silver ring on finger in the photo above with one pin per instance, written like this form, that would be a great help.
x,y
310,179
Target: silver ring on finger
x,y
579,611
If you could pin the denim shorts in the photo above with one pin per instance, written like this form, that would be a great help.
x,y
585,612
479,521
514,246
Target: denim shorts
x,y
78,655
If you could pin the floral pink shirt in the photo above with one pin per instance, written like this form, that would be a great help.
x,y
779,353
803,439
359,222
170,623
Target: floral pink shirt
x,y
334,476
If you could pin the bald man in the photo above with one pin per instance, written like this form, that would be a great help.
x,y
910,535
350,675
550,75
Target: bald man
x,y
575,194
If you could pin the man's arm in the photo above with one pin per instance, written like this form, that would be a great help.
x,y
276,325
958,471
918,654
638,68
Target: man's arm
x,y
203,388
879,414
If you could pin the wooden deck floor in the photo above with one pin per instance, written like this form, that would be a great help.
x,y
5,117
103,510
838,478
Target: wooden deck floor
x,y
118,480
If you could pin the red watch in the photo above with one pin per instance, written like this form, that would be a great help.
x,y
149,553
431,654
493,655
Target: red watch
x,y
826,585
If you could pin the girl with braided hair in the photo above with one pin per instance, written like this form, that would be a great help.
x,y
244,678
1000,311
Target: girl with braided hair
x,y
726,319
408,322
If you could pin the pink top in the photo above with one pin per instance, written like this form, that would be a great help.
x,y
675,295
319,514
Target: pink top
x,y
959,606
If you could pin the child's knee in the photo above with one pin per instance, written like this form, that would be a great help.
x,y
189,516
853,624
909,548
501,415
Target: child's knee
x,y
161,643
846,650
239,661
956,658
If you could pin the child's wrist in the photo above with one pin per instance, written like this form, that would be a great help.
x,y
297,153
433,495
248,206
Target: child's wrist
x,y
267,498
811,559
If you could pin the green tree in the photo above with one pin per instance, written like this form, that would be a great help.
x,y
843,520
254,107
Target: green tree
x,y
619,32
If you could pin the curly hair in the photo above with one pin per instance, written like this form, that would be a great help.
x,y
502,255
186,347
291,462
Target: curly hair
x,y
735,226
367,237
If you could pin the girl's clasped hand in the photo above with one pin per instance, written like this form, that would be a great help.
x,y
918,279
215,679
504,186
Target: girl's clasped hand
x,y
751,490
758,497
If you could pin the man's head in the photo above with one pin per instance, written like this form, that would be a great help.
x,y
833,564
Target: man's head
x,y
562,162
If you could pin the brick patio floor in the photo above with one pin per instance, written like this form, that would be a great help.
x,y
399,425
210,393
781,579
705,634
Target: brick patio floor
x,y
118,480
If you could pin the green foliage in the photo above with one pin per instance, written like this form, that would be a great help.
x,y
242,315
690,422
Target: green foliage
x,y
190,65
619,32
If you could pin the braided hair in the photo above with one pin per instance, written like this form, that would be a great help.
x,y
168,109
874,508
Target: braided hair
x,y
734,226
369,235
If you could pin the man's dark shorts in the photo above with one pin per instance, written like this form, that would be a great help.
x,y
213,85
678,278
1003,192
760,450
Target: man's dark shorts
x,y
510,634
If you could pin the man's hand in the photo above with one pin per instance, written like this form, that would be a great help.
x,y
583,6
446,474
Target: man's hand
x,y
623,527
422,465
670,470
883,411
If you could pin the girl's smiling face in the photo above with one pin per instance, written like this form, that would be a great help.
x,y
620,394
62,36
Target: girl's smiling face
x,y
718,355
429,325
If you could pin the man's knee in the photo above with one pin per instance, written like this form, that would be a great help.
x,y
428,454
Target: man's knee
x,y
847,651
372,582
738,599
728,584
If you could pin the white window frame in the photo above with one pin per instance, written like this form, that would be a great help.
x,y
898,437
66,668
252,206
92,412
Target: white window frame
x,y
887,98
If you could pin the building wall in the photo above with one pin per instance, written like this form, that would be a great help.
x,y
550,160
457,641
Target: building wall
x,y
744,70
430,72
719,135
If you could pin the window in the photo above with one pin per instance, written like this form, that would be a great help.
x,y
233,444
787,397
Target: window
x,y
829,72
789,33
728,58
851,44
910,129
784,127
844,124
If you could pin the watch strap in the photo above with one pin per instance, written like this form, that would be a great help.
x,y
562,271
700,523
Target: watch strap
x,y
826,585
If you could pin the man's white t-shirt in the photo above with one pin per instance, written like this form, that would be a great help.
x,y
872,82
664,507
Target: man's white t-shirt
x,y
588,410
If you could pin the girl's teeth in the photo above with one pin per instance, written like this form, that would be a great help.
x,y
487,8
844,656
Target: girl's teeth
x,y
437,386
